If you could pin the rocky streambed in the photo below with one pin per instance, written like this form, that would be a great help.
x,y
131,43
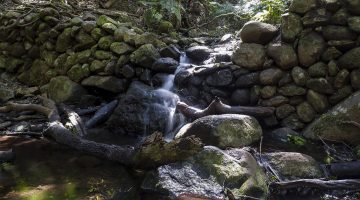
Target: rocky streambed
x,y
306,72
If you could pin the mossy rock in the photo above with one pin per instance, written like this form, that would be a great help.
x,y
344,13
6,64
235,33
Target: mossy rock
x,y
78,72
224,131
165,27
121,48
145,56
206,174
36,75
336,124
62,89
64,41
105,42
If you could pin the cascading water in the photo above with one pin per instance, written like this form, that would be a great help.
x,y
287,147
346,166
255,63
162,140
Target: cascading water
x,y
170,100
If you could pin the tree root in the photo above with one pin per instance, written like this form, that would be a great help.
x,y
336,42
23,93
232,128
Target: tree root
x,y
153,152
217,107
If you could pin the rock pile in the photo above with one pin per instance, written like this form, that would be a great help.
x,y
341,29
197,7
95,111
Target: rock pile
x,y
312,65
66,57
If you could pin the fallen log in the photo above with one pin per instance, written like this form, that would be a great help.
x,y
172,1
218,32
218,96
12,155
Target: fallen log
x,y
217,107
152,152
102,114
346,184
345,169
75,120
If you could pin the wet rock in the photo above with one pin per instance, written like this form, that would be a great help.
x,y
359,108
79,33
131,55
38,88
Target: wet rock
x,y
166,65
318,101
79,72
300,76
342,78
6,94
257,32
292,90
128,71
206,174
250,56
275,101
350,60
142,110
284,111
305,112
338,33
302,6
121,48
291,26
314,18
318,69
311,47
224,131
220,78
292,165
145,56
355,79
341,94
198,53
353,6
334,124
108,83
62,89
240,97
354,23
283,54
270,76
171,51
226,38
248,80
320,85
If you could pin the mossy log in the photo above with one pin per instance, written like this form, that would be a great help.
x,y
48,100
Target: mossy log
x,y
217,107
152,152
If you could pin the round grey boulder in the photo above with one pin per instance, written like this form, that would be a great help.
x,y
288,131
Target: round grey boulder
x,y
250,56
257,32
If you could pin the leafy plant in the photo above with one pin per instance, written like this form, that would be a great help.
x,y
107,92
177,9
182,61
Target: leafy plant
x,y
162,9
297,140
270,10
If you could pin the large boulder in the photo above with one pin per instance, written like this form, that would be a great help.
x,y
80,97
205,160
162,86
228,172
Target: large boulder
x,y
249,55
302,6
224,131
205,175
257,32
167,65
338,124
143,110
198,53
62,89
350,60
108,83
311,47
145,56
283,54
291,26
292,166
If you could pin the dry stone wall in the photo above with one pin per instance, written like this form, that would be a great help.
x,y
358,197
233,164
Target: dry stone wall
x,y
67,56
308,65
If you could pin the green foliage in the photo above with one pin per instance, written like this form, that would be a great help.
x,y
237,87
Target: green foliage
x,y
159,10
297,140
270,10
